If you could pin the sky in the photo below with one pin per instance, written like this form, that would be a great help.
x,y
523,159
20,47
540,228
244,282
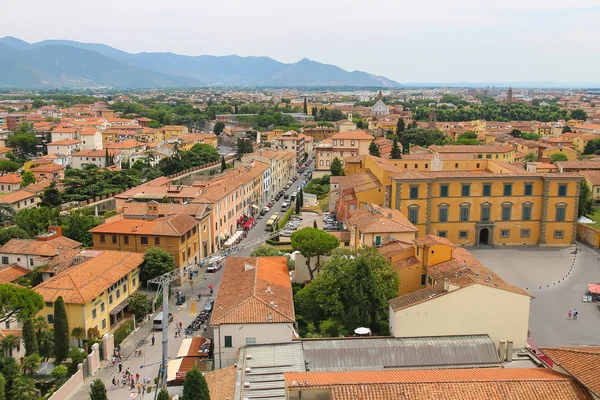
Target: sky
x,y
434,41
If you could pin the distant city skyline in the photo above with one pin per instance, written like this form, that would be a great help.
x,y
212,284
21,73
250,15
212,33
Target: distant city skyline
x,y
466,41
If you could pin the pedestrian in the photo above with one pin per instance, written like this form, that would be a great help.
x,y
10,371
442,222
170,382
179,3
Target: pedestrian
x,y
128,372
120,367
570,314
114,382
180,324
132,382
107,363
575,313
137,378
114,360
139,388
153,339
124,380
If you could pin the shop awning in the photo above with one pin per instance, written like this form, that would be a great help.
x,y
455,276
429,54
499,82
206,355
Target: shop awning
x,y
255,206
120,307
173,369
248,223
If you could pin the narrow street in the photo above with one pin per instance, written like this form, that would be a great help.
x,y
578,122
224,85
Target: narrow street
x,y
148,364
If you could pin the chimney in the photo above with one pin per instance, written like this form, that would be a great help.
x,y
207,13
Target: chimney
x,y
446,285
509,350
502,350
390,215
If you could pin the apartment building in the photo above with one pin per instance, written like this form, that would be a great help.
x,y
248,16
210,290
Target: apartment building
x,y
341,145
83,158
65,146
282,168
9,183
174,131
95,290
177,234
291,142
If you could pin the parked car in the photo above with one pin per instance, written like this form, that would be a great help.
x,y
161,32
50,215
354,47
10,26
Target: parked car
x,y
214,267
285,206
285,233
264,211
208,306
330,228
286,196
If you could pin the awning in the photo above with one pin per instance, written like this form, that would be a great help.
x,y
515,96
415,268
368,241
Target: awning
x,y
120,307
184,349
173,369
248,223
255,206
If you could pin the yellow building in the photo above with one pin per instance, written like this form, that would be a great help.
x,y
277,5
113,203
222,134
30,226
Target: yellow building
x,y
471,202
580,141
593,180
174,131
188,141
376,226
176,234
487,152
149,135
95,291
345,144
572,155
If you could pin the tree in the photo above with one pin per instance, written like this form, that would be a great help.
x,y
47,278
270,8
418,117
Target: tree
x,y
579,114
7,213
59,372
566,129
78,333
554,158
299,202
140,304
243,146
374,149
36,220
46,343
31,363
218,128
162,395
530,157
2,387
195,386
336,168
76,226
77,356
354,288
98,391
400,126
93,333
11,371
8,342
23,388
7,166
51,196
29,339
223,164
592,146
24,143
586,202
27,178
516,133
154,124
156,263
265,251
61,330
396,153
305,107
19,302
311,242
12,232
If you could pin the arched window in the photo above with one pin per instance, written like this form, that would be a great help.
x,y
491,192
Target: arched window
x,y
413,214
561,212
486,212
526,211
465,211
443,212
506,211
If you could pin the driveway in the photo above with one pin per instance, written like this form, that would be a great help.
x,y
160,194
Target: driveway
x,y
558,279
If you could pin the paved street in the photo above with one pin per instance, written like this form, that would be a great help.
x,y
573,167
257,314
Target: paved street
x,y
152,354
561,289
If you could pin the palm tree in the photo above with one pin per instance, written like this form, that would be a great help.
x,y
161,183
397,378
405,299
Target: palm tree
x,y
46,343
23,388
7,213
31,363
8,343
530,157
78,333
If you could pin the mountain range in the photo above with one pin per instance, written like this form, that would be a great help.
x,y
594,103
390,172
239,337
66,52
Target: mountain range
x,y
71,64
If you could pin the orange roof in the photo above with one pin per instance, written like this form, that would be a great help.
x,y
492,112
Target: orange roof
x,y
380,220
583,363
89,131
221,383
19,195
84,282
65,142
51,167
592,176
357,135
254,290
126,144
171,225
10,178
12,272
444,384
482,148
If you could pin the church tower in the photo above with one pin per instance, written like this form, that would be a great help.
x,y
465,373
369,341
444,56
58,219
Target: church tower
x,y
380,95
432,119
509,98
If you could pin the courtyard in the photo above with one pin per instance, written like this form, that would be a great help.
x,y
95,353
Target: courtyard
x,y
558,279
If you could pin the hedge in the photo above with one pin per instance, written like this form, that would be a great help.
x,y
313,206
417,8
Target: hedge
x,y
123,331
277,243
286,217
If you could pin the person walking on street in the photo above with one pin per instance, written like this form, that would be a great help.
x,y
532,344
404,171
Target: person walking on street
x,y
570,314
114,382
153,339
120,367
575,314
128,372
137,378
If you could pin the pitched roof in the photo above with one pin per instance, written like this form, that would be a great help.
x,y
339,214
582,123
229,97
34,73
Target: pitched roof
x,y
10,178
47,248
12,272
380,220
170,225
221,383
356,135
85,281
65,142
443,384
592,176
482,148
50,167
430,240
248,286
583,363
140,209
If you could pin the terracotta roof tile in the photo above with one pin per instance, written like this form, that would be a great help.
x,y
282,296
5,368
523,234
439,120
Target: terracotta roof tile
x,y
380,220
50,167
12,272
10,178
357,134
430,240
583,363
592,176
248,286
471,149
221,383
49,248
171,225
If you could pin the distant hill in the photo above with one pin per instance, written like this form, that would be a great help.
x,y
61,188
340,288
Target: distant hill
x,y
64,63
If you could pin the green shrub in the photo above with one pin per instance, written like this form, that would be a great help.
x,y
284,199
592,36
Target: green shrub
x,y
286,217
276,243
123,331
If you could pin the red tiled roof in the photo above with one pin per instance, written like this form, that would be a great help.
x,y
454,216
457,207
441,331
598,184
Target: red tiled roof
x,y
583,363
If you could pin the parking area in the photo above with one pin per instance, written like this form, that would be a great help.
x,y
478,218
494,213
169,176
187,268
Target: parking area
x,y
558,279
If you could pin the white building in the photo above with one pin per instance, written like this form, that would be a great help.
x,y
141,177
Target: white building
x,y
65,146
91,139
254,305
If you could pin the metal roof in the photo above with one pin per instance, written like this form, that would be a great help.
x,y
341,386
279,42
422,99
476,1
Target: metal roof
x,y
362,354
267,364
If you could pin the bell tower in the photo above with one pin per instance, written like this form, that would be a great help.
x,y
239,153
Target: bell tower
x,y
432,119
509,97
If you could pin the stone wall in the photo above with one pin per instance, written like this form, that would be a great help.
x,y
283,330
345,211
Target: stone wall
x,y
589,235
70,386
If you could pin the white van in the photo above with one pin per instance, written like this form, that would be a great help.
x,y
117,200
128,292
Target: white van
x,y
158,320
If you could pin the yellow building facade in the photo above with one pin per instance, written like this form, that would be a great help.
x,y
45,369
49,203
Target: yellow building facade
x,y
174,131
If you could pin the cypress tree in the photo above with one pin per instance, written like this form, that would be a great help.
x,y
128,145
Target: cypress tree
x,y
305,107
195,386
395,154
61,330
29,339
98,391
374,149
2,387
223,164
163,395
